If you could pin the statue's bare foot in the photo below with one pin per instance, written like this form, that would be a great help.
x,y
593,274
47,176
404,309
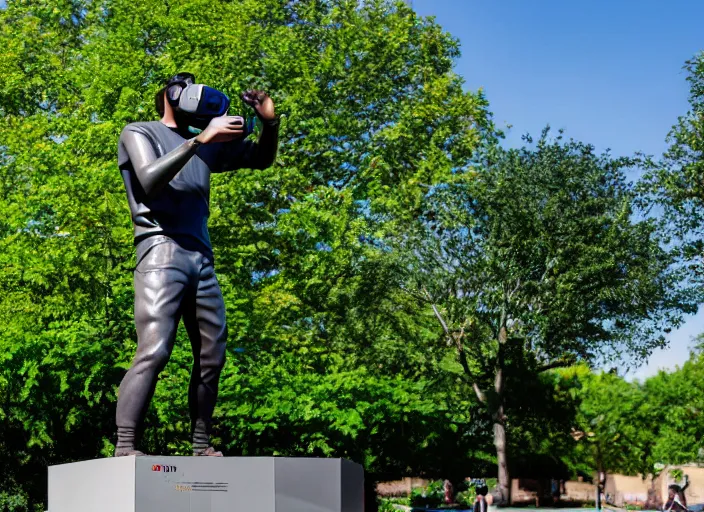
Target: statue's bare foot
x,y
208,452
128,452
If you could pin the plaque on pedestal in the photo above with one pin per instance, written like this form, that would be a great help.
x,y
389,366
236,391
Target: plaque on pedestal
x,y
207,484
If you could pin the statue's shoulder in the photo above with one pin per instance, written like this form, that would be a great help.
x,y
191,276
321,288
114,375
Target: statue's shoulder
x,y
152,130
148,130
143,127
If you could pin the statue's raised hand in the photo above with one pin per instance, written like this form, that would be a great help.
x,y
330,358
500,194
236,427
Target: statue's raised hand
x,y
262,104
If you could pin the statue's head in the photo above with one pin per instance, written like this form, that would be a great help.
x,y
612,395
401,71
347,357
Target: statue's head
x,y
193,105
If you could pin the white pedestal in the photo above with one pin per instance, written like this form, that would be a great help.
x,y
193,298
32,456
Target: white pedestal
x,y
207,484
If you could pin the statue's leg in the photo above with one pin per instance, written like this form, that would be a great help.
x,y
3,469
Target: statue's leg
x,y
208,333
160,284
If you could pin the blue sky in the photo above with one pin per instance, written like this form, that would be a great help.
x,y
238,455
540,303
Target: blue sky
x,y
608,72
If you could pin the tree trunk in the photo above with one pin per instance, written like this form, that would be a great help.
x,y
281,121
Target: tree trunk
x,y
500,418
501,458
599,482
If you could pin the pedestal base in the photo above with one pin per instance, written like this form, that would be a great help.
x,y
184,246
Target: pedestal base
x,y
207,484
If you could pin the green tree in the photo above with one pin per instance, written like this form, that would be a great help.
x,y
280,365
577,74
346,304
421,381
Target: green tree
x,y
321,341
538,252
675,190
632,428
543,409
679,399
675,185
617,424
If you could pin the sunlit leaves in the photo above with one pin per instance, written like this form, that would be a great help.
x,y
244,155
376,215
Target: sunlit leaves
x,y
327,356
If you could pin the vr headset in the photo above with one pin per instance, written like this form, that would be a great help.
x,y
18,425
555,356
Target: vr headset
x,y
198,104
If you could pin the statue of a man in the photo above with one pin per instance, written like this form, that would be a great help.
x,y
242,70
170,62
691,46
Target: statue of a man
x,y
166,170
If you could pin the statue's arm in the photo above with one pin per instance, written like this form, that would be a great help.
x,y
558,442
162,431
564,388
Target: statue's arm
x,y
246,154
155,173
267,145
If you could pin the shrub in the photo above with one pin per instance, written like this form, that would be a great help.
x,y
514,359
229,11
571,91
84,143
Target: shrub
x,y
386,506
430,496
466,498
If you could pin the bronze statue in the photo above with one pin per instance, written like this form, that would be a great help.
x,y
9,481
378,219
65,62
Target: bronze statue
x,y
166,169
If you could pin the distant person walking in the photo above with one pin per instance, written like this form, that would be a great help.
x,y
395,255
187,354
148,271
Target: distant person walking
x,y
676,500
555,490
449,492
480,503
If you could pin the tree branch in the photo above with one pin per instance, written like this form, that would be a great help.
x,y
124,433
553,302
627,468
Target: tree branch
x,y
558,363
456,337
441,320
515,288
415,295
481,396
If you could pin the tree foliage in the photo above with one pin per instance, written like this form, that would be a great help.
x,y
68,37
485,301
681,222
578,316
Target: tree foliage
x,y
677,401
536,256
323,358
389,187
674,186
632,427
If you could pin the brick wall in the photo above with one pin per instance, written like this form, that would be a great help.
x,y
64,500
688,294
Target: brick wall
x,y
401,487
580,491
